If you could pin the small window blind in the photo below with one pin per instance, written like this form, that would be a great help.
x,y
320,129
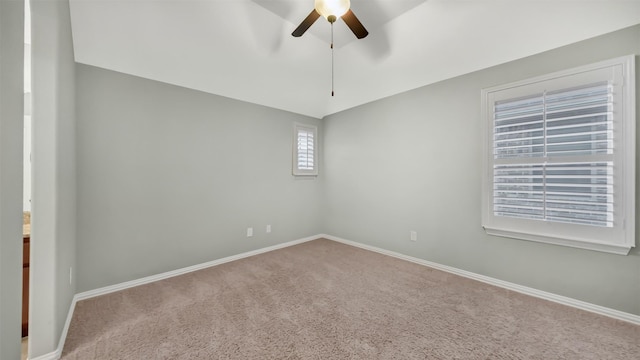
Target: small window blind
x,y
305,150
304,155
565,135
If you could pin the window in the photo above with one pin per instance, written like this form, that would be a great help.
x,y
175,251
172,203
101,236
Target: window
x,y
305,156
560,158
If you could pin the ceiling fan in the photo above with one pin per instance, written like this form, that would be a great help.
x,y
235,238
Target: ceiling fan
x,y
332,10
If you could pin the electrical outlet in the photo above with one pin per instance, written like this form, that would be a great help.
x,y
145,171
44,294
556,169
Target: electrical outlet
x,y
249,232
268,229
413,235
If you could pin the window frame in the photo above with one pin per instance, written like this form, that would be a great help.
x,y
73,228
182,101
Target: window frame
x,y
621,237
296,171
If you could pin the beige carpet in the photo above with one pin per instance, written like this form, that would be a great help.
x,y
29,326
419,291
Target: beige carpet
x,y
325,300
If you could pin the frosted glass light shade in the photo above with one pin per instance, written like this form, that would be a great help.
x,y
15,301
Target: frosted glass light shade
x,y
336,8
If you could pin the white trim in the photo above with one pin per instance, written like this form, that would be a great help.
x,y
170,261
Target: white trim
x,y
554,240
169,274
629,140
55,355
578,304
582,305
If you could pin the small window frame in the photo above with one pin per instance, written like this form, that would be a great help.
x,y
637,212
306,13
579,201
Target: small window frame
x,y
297,129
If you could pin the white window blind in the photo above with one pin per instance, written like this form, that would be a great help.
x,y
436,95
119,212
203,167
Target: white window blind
x,y
560,158
304,150
568,124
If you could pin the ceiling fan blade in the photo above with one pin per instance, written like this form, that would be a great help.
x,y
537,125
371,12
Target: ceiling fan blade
x,y
354,24
306,23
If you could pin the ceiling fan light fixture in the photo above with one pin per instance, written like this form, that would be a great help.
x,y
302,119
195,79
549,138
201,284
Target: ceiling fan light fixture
x,y
335,8
332,10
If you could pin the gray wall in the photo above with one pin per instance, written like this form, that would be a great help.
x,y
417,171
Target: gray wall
x,y
53,165
170,177
11,125
413,162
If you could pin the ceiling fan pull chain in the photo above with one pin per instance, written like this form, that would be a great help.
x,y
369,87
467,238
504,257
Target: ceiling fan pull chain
x,y
332,59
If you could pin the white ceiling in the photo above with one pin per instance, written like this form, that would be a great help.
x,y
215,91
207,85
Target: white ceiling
x,y
243,49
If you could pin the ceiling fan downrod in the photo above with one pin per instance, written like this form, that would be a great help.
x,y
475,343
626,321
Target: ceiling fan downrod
x,y
332,19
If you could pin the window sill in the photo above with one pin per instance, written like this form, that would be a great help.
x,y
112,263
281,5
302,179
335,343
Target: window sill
x,y
580,244
304,177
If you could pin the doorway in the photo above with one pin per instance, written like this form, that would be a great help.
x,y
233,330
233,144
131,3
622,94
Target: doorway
x,y
26,196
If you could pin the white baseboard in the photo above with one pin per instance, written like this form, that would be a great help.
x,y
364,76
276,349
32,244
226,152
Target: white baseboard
x,y
583,305
55,355
597,309
169,274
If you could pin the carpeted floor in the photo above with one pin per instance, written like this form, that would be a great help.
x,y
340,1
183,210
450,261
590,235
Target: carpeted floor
x,y
325,300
